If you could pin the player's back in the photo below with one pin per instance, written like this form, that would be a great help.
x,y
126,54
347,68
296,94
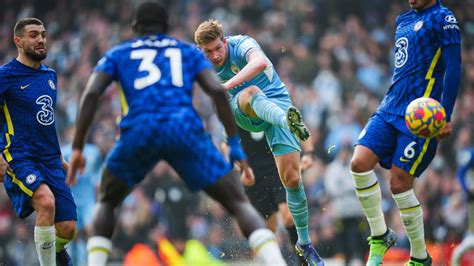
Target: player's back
x,y
156,74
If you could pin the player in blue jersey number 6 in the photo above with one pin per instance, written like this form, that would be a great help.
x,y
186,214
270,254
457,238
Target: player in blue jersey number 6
x,y
260,102
35,180
157,72
427,64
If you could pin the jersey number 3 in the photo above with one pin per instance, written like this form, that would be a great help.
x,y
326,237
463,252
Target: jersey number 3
x,y
147,58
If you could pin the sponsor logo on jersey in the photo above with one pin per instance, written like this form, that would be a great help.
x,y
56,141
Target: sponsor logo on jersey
x,y
401,53
418,25
450,19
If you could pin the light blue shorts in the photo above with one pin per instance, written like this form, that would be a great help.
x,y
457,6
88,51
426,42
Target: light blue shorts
x,y
280,140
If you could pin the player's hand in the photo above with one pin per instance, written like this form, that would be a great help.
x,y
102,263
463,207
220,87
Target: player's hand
x,y
447,131
246,177
306,161
3,168
77,163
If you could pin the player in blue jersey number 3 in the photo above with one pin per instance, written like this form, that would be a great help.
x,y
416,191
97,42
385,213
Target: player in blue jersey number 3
x,y
427,64
35,179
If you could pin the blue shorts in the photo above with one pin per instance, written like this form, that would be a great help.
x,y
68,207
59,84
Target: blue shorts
x,y
389,138
26,176
280,140
178,138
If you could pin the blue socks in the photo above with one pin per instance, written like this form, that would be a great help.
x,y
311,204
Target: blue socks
x,y
268,111
296,199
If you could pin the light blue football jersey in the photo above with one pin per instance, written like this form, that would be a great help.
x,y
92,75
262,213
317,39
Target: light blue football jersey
x,y
240,47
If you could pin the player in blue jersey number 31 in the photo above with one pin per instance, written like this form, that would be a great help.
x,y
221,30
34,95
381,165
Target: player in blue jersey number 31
x,y
427,64
157,73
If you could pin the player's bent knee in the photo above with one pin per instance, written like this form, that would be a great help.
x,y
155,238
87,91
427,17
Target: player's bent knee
x,y
251,90
66,229
400,183
292,180
358,165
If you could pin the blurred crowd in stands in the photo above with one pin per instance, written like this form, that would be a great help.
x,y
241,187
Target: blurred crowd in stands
x,y
336,58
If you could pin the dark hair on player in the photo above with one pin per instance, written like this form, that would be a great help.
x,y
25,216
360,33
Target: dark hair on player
x,y
22,23
150,17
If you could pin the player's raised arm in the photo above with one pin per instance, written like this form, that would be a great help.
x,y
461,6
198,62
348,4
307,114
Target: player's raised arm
x,y
96,85
256,63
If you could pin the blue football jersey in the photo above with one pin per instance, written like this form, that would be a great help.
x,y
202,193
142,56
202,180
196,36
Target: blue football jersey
x,y
155,73
419,70
28,97
239,47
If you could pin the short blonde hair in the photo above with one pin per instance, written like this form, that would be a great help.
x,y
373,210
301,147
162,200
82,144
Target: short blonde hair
x,y
208,31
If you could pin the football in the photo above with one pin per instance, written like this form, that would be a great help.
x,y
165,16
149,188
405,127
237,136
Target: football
x,y
425,117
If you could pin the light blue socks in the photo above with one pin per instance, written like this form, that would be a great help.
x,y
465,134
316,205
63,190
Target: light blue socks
x,y
296,199
268,111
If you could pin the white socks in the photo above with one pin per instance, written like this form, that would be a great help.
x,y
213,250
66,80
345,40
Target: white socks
x,y
370,198
45,239
412,217
98,249
265,245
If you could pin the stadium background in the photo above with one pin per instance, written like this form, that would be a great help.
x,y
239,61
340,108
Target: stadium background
x,y
336,59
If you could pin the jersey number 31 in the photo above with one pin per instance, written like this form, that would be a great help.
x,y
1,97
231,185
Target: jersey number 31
x,y
147,58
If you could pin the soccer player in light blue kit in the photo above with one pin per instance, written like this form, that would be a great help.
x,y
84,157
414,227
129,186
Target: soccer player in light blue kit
x,y
36,178
427,64
260,102
157,73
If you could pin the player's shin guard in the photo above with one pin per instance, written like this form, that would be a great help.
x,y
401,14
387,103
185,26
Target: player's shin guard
x,y
296,199
45,238
263,242
98,249
412,217
370,197
268,111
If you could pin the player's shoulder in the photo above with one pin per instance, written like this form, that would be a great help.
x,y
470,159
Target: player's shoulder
x,y
442,13
46,68
238,39
404,15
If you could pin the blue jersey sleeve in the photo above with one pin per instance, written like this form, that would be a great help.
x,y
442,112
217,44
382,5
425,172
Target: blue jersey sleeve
x,y
447,28
451,56
245,47
107,64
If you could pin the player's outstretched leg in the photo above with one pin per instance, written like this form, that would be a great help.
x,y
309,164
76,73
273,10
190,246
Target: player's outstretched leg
x,y
229,192
112,192
296,123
